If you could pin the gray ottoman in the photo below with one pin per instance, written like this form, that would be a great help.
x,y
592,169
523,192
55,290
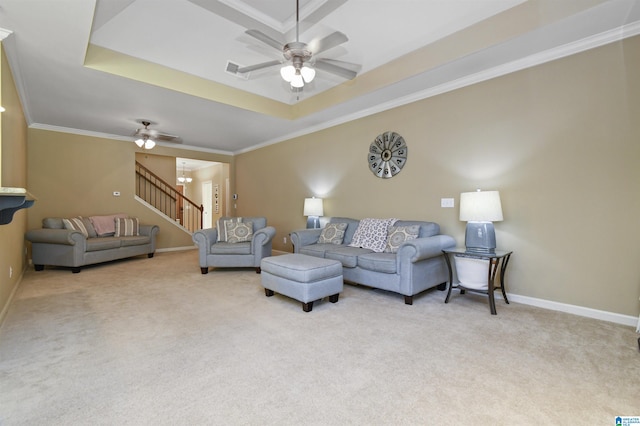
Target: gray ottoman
x,y
303,278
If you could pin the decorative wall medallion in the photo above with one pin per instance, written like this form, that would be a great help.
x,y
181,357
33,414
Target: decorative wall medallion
x,y
387,155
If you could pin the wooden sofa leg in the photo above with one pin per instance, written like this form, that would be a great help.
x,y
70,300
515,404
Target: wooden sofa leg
x,y
307,307
408,300
75,270
334,298
204,271
38,267
268,292
442,287
150,255
258,270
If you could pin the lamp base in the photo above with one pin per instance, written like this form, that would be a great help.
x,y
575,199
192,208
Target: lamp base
x,y
313,222
480,237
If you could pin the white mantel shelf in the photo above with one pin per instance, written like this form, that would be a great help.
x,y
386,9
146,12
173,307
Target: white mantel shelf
x,y
12,200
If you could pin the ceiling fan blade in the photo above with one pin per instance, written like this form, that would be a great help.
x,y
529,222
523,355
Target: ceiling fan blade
x,y
168,138
328,42
259,66
265,39
331,66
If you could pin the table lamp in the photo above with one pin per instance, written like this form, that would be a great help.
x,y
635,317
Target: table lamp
x,y
313,209
479,209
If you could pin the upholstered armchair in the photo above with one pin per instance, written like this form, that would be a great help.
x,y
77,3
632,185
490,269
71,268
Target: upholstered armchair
x,y
235,242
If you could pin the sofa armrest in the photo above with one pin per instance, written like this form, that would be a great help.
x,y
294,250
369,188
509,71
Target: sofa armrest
x,y
55,236
304,237
205,238
425,248
149,230
263,236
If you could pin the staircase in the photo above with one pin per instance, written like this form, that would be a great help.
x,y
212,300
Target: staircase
x,y
167,199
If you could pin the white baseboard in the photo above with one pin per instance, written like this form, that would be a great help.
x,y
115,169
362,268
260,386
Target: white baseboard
x,y
169,249
573,309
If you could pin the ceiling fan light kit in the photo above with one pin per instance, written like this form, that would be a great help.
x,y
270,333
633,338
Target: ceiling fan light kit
x,y
145,142
298,71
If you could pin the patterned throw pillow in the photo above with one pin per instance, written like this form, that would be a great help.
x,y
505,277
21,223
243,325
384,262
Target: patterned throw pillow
x,y
222,233
238,232
127,227
75,224
372,234
398,235
333,233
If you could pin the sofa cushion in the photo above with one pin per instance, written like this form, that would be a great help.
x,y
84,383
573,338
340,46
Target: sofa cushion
x,y
238,232
372,234
105,226
52,223
135,240
316,250
379,262
231,248
333,233
75,224
352,225
398,235
348,256
103,243
89,226
427,229
127,227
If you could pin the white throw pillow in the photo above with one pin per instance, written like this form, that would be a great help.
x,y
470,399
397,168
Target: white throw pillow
x,y
372,234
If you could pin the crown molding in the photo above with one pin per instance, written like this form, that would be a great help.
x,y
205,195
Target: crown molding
x,y
560,52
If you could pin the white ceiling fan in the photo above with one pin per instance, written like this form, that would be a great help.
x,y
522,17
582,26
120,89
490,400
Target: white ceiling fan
x,y
146,138
301,58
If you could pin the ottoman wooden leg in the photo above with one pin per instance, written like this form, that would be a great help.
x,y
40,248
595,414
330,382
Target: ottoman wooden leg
x,y
307,307
334,298
268,292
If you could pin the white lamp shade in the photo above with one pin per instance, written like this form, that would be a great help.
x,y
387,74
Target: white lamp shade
x,y
287,73
308,74
313,207
139,142
480,206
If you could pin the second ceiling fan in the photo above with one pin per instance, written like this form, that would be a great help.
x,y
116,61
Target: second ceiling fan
x,y
301,57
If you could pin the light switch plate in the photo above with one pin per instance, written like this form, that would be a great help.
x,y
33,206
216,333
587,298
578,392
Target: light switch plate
x,y
446,202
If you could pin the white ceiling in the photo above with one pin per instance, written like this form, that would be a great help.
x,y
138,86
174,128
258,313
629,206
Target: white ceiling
x,y
406,50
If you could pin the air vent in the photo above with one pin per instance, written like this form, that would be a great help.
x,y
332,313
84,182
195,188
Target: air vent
x,y
232,69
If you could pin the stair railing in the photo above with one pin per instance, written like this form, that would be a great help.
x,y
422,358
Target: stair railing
x,y
167,199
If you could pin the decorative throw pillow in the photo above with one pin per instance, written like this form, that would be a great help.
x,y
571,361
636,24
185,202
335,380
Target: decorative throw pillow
x,y
238,232
222,233
89,226
127,227
75,224
398,235
333,233
372,234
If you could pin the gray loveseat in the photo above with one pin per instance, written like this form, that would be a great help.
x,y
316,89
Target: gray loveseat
x,y
56,245
417,265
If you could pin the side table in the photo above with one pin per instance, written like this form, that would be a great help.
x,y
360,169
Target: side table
x,y
497,260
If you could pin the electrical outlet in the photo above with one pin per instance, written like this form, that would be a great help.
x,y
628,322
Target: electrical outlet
x,y
284,240
10,271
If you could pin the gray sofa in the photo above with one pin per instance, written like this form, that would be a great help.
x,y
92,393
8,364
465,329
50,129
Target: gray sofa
x,y
223,254
417,266
55,245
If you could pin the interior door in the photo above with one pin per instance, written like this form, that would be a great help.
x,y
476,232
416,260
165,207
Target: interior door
x,y
207,201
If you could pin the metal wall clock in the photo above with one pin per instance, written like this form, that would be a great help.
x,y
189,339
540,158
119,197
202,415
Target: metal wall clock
x,y
387,155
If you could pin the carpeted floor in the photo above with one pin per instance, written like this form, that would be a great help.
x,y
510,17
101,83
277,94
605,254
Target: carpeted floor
x,y
154,342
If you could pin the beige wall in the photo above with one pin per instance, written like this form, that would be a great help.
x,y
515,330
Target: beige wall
x,y
13,173
68,185
561,142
